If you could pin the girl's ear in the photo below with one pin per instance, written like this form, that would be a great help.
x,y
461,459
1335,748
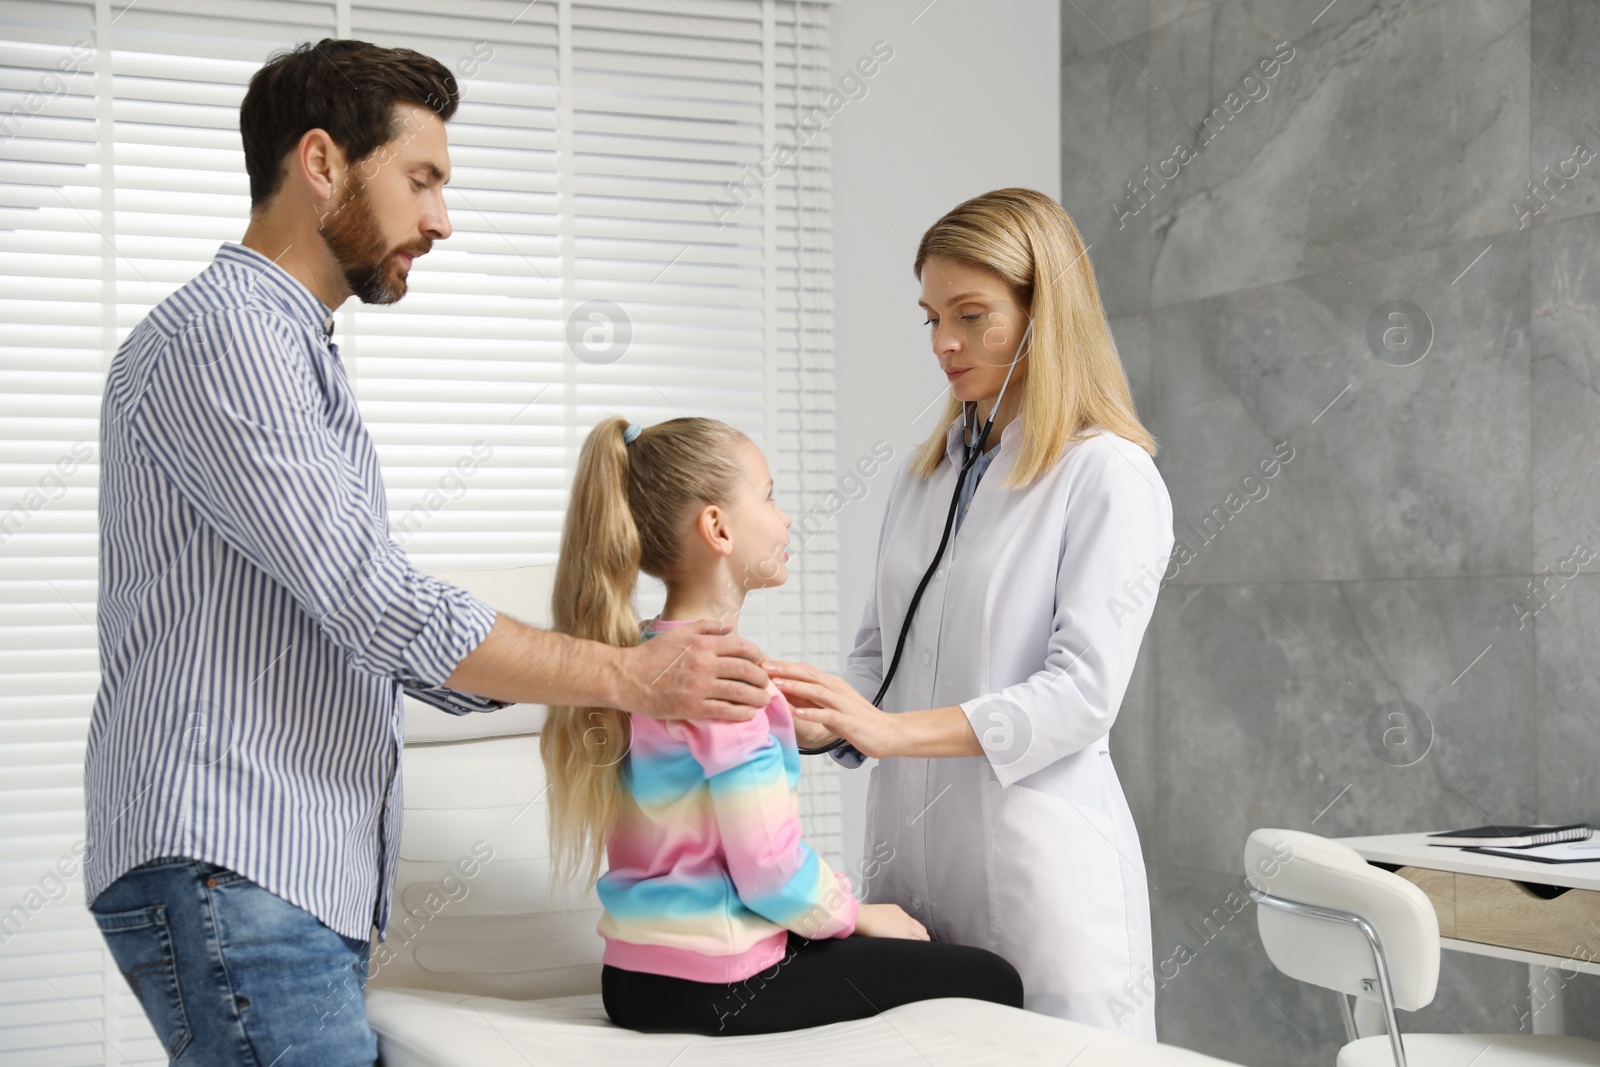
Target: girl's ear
x,y
711,528
717,531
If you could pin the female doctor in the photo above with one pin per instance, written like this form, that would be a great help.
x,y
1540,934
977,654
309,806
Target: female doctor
x,y
994,797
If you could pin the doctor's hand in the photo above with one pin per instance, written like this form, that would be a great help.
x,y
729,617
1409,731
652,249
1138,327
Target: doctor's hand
x,y
832,703
888,920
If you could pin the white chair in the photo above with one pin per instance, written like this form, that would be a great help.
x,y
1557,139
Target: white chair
x,y
483,969
1329,918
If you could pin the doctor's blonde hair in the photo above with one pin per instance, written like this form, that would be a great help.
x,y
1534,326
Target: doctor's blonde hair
x,y
629,510
1075,378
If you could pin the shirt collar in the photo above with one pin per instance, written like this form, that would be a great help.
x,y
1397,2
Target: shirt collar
x,y
955,447
278,287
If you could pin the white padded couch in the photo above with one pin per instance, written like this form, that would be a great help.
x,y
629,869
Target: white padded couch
x,y
482,968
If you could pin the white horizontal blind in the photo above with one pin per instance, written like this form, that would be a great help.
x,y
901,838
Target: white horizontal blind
x,y
591,139
61,999
801,242
797,242
476,350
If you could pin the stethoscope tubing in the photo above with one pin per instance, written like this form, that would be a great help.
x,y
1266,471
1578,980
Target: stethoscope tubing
x,y
974,450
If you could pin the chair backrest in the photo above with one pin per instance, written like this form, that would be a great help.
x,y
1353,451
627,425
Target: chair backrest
x,y
1309,870
471,911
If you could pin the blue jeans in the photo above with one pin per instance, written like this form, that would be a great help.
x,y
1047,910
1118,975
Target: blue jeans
x,y
230,974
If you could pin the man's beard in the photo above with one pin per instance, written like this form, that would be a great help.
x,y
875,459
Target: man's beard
x,y
371,269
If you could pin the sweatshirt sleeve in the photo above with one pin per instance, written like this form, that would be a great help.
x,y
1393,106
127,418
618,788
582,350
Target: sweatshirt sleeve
x,y
776,874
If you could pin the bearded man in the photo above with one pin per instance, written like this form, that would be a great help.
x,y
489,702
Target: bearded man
x,y
257,621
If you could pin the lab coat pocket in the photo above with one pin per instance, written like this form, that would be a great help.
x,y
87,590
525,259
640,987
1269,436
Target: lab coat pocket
x,y
1061,912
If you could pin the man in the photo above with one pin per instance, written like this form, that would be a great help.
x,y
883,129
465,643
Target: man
x,y
256,620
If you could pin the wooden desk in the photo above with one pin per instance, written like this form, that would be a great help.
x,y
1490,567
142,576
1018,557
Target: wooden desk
x,y
1546,915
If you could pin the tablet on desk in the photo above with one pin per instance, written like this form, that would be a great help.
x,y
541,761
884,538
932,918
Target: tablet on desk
x,y
1562,852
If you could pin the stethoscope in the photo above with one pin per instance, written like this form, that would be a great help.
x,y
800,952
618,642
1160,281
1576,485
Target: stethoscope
x,y
974,449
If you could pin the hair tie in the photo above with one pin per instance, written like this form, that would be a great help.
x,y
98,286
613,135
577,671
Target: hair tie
x,y
631,433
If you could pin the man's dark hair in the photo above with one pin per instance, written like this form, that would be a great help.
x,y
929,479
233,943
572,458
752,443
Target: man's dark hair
x,y
348,88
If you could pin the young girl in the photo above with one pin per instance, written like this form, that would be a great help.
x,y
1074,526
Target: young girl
x,y
719,918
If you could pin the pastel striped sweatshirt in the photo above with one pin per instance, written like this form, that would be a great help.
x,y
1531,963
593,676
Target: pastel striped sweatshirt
x,y
707,869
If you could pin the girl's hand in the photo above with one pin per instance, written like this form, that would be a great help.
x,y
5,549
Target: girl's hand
x,y
830,701
811,734
888,920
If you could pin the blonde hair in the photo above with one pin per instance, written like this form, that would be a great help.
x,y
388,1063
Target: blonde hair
x,y
628,512
1075,378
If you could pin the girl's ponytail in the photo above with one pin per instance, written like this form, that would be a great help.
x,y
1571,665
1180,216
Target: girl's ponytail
x,y
593,598
630,509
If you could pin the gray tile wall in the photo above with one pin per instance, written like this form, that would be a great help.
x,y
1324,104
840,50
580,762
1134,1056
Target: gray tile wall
x,y
1383,160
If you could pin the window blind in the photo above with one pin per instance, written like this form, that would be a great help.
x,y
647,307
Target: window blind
x,y
590,273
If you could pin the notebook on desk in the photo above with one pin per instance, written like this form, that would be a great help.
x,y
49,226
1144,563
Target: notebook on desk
x,y
1516,837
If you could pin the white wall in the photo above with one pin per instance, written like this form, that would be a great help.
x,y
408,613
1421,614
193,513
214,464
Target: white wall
x,y
969,101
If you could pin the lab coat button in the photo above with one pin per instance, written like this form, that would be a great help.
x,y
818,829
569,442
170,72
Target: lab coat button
x,y
916,903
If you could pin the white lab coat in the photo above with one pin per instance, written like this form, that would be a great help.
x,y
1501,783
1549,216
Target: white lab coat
x,y
1030,850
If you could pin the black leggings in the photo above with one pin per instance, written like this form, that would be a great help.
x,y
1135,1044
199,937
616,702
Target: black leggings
x,y
828,980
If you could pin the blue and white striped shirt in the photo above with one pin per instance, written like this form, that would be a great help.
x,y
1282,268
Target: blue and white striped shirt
x,y
256,619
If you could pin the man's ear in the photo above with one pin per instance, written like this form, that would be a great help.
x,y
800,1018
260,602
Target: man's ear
x,y
321,165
